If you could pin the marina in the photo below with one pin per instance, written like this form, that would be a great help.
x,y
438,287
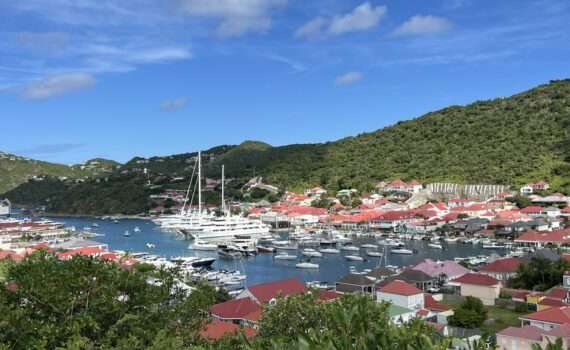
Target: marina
x,y
261,268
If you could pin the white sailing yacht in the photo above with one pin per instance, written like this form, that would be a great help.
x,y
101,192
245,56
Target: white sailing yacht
x,y
202,225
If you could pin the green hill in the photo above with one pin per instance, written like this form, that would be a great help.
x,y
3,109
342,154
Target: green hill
x,y
502,141
15,170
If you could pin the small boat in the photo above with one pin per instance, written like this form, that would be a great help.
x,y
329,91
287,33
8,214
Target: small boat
x,y
452,239
115,221
150,245
401,251
312,253
95,224
203,245
285,257
350,248
354,258
374,254
329,251
435,246
229,253
494,245
264,249
203,262
127,234
136,229
369,246
307,265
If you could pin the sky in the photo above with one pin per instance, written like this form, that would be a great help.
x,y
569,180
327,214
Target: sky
x,y
121,78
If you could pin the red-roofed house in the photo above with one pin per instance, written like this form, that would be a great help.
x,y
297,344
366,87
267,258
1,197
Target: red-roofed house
x,y
235,310
217,329
483,287
515,338
542,239
264,292
548,319
502,269
11,255
401,294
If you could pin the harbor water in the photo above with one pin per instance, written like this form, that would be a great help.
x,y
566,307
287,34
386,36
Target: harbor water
x,y
261,268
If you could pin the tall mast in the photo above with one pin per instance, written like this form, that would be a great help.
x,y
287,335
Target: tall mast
x,y
223,201
200,182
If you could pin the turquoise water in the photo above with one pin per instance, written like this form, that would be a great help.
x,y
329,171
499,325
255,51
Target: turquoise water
x,y
263,267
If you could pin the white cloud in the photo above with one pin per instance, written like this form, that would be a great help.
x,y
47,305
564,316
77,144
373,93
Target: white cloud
x,y
312,29
162,54
361,18
237,16
348,78
422,25
57,85
174,105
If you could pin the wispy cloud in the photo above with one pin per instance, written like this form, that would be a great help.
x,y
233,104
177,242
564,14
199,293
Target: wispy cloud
x,y
47,149
363,17
423,25
237,17
174,105
294,65
56,86
348,78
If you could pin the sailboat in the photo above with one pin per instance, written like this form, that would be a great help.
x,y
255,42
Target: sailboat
x,y
202,225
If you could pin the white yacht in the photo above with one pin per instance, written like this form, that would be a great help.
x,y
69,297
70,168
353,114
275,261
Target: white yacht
x,y
202,245
202,225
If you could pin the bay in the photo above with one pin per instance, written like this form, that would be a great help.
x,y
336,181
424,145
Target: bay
x,y
260,268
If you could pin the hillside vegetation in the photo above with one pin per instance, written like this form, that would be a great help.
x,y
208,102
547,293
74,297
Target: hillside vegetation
x,y
510,141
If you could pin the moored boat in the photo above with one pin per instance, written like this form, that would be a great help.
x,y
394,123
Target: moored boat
x,y
354,258
307,265
401,251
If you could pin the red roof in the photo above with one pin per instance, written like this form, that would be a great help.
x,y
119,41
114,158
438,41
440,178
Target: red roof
x,y
399,287
508,265
557,315
566,210
559,236
235,309
477,279
267,291
552,302
525,332
534,209
326,295
558,293
431,304
218,329
8,254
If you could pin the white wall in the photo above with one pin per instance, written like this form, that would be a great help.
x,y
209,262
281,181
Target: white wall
x,y
410,302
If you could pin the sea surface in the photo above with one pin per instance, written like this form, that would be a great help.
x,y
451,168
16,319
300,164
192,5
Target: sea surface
x,y
260,268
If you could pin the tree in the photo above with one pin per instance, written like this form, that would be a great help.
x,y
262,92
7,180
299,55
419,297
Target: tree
x,y
540,274
86,303
470,314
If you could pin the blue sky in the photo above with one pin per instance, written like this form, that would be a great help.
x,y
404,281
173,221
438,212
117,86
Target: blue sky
x,y
107,78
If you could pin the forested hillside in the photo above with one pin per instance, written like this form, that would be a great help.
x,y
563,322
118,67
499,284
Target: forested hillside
x,y
502,141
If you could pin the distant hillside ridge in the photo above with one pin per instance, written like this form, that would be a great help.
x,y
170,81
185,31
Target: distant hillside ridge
x,y
504,141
